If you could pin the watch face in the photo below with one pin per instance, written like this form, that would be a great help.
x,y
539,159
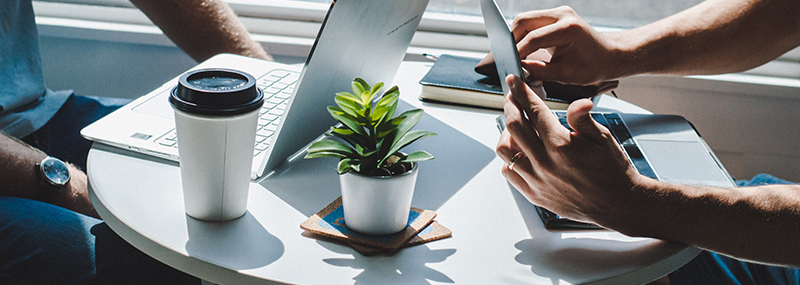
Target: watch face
x,y
55,171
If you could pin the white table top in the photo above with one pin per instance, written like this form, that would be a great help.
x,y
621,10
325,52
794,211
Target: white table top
x,y
497,235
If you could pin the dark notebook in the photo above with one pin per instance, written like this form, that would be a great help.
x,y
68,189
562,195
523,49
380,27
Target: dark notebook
x,y
452,79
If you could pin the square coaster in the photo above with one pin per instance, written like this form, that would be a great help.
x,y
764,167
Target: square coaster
x,y
434,231
329,222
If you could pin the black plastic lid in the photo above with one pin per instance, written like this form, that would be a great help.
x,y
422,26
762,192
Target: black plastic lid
x,y
216,91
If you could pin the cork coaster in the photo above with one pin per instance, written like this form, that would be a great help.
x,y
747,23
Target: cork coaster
x,y
330,222
435,231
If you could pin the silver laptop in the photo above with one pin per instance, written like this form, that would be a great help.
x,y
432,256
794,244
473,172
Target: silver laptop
x,y
366,39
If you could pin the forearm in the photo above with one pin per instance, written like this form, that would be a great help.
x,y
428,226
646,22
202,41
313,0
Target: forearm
x,y
754,223
18,178
716,36
201,28
17,165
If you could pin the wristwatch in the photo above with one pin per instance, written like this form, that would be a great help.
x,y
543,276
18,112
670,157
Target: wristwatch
x,y
53,174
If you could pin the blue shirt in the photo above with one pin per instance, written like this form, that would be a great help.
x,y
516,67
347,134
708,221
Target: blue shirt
x,y
25,103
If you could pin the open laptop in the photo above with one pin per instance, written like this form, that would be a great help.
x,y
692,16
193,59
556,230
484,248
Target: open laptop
x,y
366,39
662,147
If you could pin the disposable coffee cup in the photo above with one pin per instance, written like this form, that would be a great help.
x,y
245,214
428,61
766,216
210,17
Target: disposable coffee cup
x,y
216,114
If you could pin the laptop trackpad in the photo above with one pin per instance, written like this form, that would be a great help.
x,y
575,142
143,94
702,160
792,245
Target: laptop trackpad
x,y
683,162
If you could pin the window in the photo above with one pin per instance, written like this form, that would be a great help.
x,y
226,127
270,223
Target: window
x,y
448,25
620,13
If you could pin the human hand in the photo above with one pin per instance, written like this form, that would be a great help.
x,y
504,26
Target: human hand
x,y
581,175
75,195
579,54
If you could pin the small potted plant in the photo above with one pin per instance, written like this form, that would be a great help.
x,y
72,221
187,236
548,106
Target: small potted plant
x,y
376,179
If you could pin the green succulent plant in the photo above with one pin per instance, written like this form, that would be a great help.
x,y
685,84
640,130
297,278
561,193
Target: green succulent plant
x,y
372,136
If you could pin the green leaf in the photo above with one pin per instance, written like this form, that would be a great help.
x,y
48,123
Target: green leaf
x,y
409,138
392,90
410,120
331,146
385,107
393,95
375,89
384,146
367,117
346,165
342,131
324,154
347,104
349,136
359,87
366,153
386,128
348,96
416,156
346,119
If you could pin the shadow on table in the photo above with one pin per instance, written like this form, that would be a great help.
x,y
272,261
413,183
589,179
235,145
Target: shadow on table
x,y
564,255
239,244
386,270
309,185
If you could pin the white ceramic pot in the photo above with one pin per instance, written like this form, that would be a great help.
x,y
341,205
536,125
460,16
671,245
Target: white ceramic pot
x,y
377,205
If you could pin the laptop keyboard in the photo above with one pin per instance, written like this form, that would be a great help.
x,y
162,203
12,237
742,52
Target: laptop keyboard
x,y
614,123
278,86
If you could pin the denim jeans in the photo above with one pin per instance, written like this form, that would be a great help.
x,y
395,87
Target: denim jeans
x,y
713,268
45,244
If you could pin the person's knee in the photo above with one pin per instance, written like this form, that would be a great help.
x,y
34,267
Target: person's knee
x,y
44,244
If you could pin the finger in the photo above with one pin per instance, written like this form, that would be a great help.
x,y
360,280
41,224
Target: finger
x,y
517,179
506,147
581,121
531,20
541,71
539,115
559,34
520,130
510,153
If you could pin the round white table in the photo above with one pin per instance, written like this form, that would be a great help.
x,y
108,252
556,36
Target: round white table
x,y
497,235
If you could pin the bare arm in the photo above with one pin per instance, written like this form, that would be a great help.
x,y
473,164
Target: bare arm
x,y
201,28
18,178
584,175
716,36
760,224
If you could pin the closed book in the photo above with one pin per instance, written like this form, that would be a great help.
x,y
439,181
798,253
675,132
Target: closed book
x,y
452,79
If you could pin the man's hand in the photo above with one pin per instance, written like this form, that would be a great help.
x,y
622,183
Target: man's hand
x,y
75,196
580,55
581,175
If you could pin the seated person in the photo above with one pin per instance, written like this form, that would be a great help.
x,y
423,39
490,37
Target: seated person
x,y
45,233
584,175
